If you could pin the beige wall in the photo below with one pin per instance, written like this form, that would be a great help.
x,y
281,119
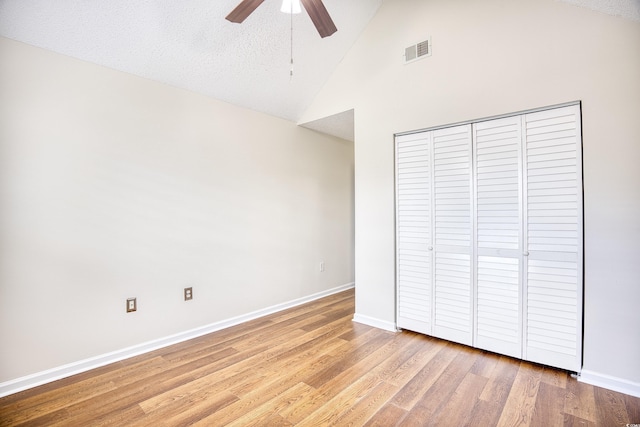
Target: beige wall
x,y
112,186
495,57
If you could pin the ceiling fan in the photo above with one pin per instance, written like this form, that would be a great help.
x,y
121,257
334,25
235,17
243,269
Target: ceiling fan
x,y
315,8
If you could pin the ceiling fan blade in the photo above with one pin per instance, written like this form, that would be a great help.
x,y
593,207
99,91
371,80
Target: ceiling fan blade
x,y
320,17
244,9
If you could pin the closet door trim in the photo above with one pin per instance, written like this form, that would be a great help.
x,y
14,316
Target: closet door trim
x,y
484,119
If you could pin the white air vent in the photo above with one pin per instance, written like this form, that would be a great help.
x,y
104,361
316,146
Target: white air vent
x,y
417,51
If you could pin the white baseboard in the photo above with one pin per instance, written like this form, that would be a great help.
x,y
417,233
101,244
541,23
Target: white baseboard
x,y
376,323
612,383
43,377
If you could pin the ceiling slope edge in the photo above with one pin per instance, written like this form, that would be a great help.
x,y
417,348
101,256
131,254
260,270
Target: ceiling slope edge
x,y
340,125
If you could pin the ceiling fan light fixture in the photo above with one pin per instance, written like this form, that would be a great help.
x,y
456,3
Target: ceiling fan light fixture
x,y
291,6
315,8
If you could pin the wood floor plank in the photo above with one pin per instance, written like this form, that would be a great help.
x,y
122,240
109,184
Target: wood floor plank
x,y
271,388
459,407
104,387
485,364
159,405
195,348
240,378
312,365
274,384
196,408
387,416
51,403
373,364
225,374
356,330
492,399
573,421
259,339
118,417
330,412
314,341
549,406
111,403
633,408
353,369
260,415
406,364
415,388
46,419
327,316
83,388
580,401
613,411
485,413
199,406
500,381
520,403
365,408
554,377
347,360
434,400
266,326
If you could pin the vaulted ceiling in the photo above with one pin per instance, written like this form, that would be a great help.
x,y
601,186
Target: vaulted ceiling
x,y
189,44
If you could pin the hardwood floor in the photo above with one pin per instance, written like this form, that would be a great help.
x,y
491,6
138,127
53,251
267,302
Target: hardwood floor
x,y
312,366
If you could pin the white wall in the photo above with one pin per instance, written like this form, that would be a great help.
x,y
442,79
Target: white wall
x,y
112,186
495,57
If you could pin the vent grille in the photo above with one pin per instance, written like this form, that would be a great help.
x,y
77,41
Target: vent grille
x,y
417,51
423,48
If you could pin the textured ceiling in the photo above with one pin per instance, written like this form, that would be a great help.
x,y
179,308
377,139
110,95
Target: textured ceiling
x,y
189,44
629,9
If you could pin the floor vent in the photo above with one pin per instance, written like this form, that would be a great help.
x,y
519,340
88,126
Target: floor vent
x,y
417,51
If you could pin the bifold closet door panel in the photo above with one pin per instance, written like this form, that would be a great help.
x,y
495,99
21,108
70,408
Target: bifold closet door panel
x,y
414,243
553,199
453,208
498,183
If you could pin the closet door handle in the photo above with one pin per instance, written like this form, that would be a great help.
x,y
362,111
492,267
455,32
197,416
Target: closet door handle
x,y
430,248
525,253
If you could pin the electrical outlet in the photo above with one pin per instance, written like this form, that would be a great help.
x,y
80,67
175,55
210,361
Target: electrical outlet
x,y
131,305
188,293
321,266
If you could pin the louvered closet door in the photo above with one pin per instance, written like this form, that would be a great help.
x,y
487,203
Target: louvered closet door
x,y
553,199
498,166
452,236
414,232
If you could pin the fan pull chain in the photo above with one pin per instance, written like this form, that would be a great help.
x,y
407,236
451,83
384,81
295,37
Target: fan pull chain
x,y
291,71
